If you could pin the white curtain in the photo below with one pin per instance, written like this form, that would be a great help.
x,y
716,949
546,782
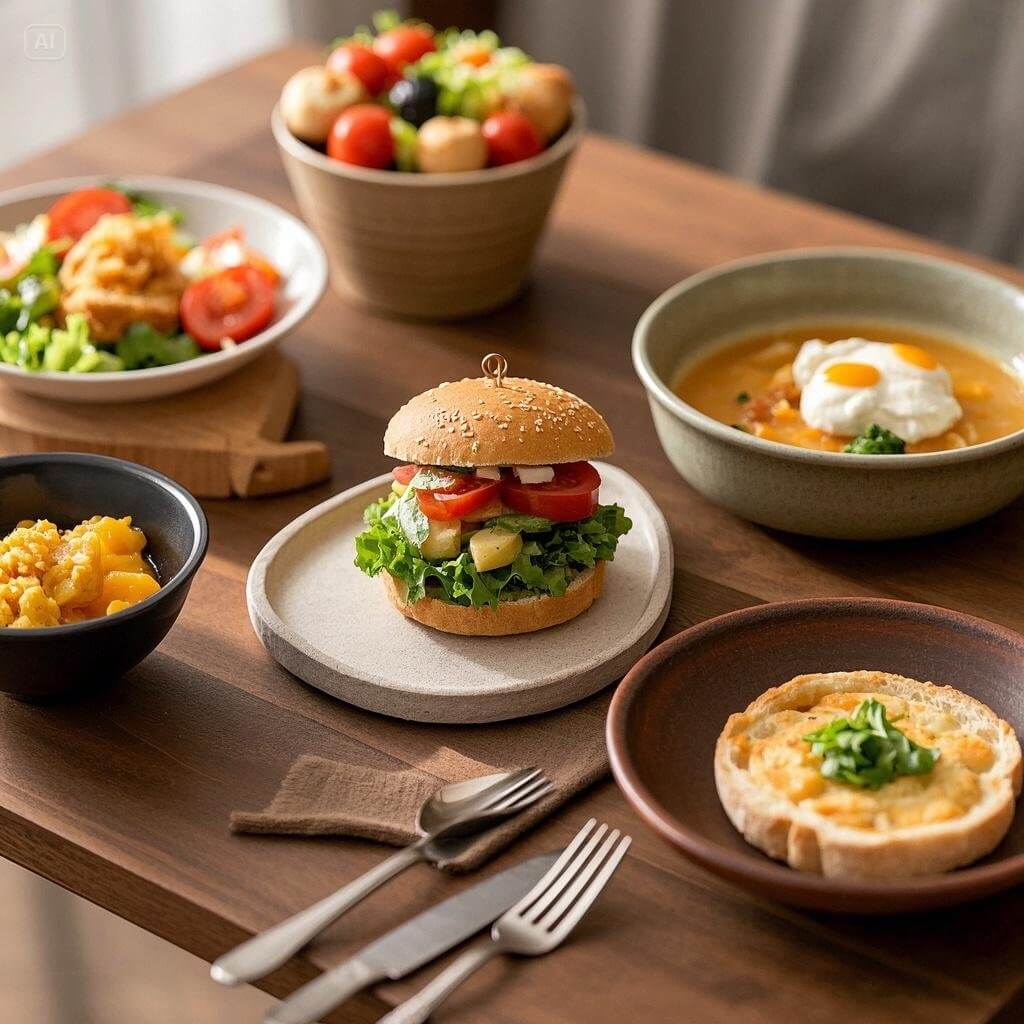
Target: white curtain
x,y
909,111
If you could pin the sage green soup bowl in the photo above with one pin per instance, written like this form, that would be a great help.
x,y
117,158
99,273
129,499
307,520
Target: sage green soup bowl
x,y
831,494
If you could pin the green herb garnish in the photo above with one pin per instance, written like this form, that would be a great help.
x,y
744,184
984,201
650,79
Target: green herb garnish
x,y
876,440
743,397
867,750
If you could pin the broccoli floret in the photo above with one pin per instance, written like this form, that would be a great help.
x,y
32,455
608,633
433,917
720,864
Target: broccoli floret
x,y
876,440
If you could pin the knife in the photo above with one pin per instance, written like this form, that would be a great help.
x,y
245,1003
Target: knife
x,y
413,944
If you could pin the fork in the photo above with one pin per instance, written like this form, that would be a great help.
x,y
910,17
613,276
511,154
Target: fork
x,y
538,923
448,822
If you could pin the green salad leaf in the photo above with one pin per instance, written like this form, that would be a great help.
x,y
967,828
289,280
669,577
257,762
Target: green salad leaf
x,y
405,136
66,349
547,563
867,750
462,89
521,523
405,512
144,346
70,349
31,294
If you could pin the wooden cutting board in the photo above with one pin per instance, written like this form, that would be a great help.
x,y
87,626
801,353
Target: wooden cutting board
x,y
221,440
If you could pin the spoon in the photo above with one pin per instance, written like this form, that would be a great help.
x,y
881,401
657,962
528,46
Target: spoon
x,y
448,823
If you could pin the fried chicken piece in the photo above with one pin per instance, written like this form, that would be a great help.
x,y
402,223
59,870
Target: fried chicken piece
x,y
124,270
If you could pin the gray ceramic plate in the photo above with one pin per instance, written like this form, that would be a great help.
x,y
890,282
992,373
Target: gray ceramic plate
x,y
828,494
323,620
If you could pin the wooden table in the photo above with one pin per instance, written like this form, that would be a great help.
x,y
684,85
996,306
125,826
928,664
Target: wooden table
x,y
124,796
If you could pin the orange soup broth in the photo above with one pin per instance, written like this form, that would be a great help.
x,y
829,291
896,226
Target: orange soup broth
x,y
749,383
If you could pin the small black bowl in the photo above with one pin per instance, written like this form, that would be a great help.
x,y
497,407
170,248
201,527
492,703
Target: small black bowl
x,y
39,664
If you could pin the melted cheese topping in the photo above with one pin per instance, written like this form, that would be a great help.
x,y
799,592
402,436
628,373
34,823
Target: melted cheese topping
x,y
778,758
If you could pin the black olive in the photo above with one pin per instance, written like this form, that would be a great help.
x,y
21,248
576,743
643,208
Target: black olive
x,y
414,99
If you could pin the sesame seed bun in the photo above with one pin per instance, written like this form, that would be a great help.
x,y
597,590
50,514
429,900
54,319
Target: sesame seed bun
x,y
476,422
526,615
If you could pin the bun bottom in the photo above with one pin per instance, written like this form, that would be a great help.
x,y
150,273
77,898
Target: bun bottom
x,y
510,617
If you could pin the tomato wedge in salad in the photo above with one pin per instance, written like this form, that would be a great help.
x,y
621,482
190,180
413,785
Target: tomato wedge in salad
x,y
570,496
235,303
72,215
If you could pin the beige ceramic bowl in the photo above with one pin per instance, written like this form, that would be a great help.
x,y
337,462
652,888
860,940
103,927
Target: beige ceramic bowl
x,y
427,246
829,494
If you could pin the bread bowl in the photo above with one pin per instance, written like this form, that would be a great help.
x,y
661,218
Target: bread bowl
x,y
769,780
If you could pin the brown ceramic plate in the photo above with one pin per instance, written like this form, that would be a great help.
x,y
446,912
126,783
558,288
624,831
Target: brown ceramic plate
x,y
669,710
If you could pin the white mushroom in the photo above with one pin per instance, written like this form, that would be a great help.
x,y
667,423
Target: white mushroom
x,y
447,144
312,99
543,93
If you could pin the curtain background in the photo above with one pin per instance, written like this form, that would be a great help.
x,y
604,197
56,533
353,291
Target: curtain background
x,y
908,111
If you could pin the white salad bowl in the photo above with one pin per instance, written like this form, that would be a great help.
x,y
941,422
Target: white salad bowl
x,y
282,238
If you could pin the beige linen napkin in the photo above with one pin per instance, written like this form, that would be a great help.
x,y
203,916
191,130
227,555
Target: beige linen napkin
x,y
325,797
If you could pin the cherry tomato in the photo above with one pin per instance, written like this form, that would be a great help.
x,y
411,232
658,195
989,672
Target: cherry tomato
x,y
403,474
235,303
369,67
511,137
72,215
403,45
362,136
455,502
570,496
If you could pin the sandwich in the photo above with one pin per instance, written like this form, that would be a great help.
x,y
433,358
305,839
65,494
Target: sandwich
x,y
493,525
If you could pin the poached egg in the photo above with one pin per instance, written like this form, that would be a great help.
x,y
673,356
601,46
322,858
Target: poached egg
x,y
845,386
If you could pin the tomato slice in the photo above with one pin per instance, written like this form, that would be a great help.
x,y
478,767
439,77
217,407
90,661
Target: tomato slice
x,y
570,496
235,303
72,215
455,503
403,474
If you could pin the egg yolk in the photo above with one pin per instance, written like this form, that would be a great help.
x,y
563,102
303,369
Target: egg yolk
x,y
916,356
852,375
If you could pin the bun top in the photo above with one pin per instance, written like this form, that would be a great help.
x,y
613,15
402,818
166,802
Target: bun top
x,y
502,421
